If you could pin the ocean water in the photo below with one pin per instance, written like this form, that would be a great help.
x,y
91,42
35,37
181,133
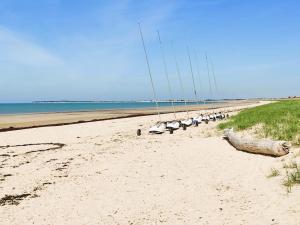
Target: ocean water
x,y
22,108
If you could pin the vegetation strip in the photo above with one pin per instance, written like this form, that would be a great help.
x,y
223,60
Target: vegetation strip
x,y
279,120
293,178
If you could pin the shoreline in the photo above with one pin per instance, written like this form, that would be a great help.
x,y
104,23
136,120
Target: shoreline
x,y
110,109
11,122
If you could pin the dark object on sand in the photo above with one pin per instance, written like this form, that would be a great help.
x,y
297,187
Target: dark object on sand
x,y
138,132
13,199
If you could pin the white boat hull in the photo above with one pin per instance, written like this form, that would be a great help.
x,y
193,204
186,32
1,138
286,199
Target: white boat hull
x,y
187,122
158,128
174,125
212,117
204,118
198,119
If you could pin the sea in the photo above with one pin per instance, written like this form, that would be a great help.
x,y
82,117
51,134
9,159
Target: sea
x,y
50,107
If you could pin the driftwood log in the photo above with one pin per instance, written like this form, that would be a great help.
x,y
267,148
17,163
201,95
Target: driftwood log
x,y
258,146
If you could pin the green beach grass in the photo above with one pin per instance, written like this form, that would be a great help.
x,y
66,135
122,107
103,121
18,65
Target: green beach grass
x,y
279,120
292,178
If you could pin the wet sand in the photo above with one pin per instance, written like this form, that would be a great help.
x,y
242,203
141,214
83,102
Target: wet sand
x,y
23,121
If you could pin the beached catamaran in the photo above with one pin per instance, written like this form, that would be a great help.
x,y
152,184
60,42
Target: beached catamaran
x,y
198,118
209,63
201,117
188,121
218,115
170,125
212,116
160,126
199,75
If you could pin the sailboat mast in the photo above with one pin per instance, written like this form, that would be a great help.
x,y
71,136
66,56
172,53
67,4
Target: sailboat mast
x,y
166,73
150,74
214,77
192,73
208,74
180,81
198,72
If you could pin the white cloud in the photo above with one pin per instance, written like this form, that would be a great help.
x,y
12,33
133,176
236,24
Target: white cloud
x,y
19,51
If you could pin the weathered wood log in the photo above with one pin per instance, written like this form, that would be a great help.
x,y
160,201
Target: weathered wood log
x,y
258,146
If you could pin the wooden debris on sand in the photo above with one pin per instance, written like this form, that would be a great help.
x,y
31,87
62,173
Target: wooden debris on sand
x,y
257,146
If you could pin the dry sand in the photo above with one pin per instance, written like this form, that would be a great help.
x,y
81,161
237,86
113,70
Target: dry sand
x,y
105,174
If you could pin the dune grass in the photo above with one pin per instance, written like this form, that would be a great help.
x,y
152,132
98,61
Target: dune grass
x,y
291,165
292,178
279,120
274,173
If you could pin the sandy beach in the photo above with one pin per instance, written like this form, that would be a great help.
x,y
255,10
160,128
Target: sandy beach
x,y
103,173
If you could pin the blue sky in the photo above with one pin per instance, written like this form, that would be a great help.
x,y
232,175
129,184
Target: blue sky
x,y
91,50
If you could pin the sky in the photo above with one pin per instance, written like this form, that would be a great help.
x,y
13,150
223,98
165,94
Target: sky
x,y
92,50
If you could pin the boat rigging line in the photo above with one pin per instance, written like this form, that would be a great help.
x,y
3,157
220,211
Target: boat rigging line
x,y
149,72
180,81
192,73
166,72
199,75
208,74
214,77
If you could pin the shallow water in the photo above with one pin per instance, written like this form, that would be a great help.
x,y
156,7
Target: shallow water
x,y
18,108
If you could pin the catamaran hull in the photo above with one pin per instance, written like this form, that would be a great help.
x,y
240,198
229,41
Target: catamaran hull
x,y
198,119
187,122
212,117
173,125
158,129
205,118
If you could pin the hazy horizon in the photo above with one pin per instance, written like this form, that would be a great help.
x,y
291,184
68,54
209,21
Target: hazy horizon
x,y
130,100
91,50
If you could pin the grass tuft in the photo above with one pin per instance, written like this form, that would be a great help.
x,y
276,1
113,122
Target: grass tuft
x,y
292,178
274,173
297,154
292,165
